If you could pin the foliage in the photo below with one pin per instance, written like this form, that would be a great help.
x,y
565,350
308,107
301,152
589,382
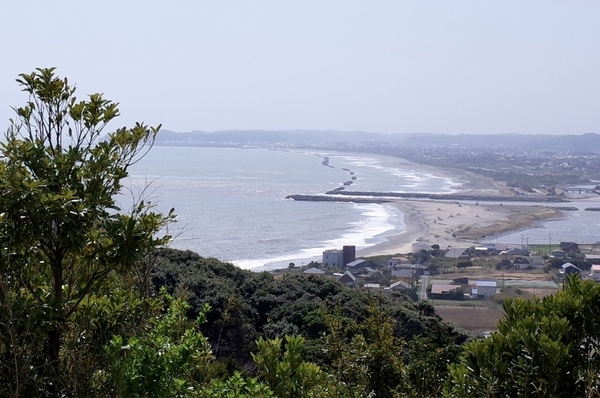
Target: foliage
x,y
543,347
170,360
287,375
236,387
246,305
62,238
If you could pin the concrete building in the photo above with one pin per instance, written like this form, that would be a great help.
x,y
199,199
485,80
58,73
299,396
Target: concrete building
x,y
333,258
349,254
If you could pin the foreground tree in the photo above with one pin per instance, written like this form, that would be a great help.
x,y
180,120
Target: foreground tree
x,y
63,240
546,347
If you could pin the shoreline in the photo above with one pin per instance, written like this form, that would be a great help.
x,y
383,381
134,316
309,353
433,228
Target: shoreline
x,y
448,223
455,224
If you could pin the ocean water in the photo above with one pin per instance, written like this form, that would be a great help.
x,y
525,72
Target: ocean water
x,y
576,226
230,202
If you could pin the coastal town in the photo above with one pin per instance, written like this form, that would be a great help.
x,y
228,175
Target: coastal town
x,y
467,285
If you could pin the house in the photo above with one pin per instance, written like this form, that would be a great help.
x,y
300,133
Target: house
x,y
515,251
481,251
520,262
396,261
333,258
347,279
373,273
405,274
457,253
418,269
569,269
484,288
529,262
592,257
399,286
537,262
569,247
356,263
372,286
442,291
595,275
558,254
314,271
440,288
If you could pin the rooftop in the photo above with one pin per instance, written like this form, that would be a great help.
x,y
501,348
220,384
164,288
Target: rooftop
x,y
441,288
355,263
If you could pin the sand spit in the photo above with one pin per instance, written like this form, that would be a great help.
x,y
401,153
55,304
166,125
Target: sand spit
x,y
457,225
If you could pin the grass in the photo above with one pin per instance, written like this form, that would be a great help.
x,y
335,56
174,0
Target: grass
x,y
543,249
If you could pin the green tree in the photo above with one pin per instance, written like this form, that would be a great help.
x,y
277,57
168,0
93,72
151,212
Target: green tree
x,y
287,374
62,237
170,360
366,358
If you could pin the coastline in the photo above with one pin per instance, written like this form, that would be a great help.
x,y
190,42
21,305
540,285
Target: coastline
x,y
457,225
449,222
453,223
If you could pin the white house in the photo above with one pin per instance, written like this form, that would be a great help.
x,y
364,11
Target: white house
x,y
397,261
485,288
595,275
334,258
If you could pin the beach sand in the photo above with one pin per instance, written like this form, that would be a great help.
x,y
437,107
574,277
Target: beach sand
x,y
450,223
456,225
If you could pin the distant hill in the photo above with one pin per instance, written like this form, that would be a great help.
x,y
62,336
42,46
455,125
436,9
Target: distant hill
x,y
589,142
245,137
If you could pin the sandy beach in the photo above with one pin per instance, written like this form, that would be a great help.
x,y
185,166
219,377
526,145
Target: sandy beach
x,y
456,225
450,223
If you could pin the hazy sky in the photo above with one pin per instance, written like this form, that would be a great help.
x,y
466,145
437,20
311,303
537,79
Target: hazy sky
x,y
478,67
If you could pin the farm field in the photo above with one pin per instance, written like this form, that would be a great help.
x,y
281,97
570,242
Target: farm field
x,y
474,319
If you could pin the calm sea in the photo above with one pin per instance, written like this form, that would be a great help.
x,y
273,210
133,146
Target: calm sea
x,y
230,202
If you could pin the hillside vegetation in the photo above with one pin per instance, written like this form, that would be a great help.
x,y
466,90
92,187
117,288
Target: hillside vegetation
x,y
93,305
